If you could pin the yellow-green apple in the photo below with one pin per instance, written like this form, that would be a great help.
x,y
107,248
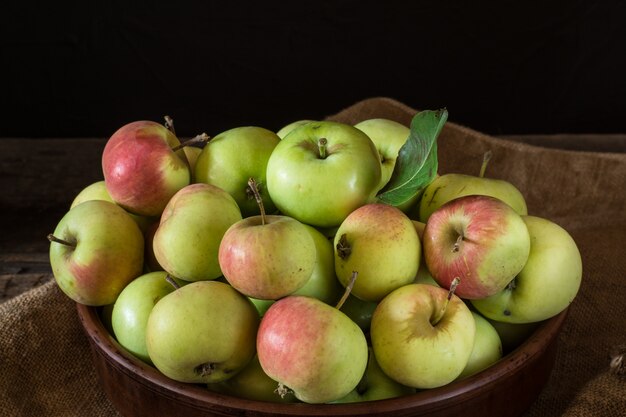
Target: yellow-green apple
x,y
375,385
487,348
312,349
203,332
253,384
144,167
388,136
548,282
267,257
379,242
231,158
95,251
187,241
423,275
322,171
285,130
422,335
322,284
98,191
450,186
192,153
132,308
478,239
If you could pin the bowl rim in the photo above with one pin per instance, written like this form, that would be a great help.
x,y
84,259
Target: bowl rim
x,y
195,395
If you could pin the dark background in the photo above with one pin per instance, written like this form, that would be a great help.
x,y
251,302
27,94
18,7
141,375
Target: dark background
x,y
84,68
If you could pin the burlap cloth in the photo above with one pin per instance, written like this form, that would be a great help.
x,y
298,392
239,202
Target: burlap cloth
x,y
46,364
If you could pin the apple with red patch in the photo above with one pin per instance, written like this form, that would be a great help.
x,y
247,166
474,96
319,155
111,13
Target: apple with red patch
x,y
312,349
478,239
144,166
95,251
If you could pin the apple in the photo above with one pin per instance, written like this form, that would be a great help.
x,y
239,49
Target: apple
x,y
487,348
285,130
450,186
150,261
312,349
422,335
132,308
513,335
379,242
267,257
192,153
253,384
231,158
322,284
142,168
322,171
388,137
187,241
375,385
95,251
478,239
548,282
98,191
203,332
423,275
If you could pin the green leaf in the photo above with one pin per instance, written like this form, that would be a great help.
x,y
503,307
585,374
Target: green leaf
x,y
416,165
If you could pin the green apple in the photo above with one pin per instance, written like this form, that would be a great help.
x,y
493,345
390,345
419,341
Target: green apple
x,y
379,242
253,384
322,284
231,158
548,282
192,153
187,241
261,305
132,308
513,335
95,251
98,191
487,348
143,167
422,335
375,385
447,187
285,130
203,332
267,257
322,171
388,137
478,239
312,349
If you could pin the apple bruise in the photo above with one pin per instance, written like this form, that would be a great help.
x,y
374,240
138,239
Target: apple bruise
x,y
128,162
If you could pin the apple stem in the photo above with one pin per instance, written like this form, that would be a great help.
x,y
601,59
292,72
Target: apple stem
x,y
53,238
457,244
348,290
322,143
169,124
196,140
253,188
172,281
486,158
453,285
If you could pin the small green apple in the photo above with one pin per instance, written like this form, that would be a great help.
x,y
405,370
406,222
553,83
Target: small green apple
x,y
231,158
187,241
487,348
359,311
203,332
322,171
95,251
285,130
548,282
132,308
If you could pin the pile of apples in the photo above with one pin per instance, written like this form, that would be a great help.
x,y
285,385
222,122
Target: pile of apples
x,y
323,263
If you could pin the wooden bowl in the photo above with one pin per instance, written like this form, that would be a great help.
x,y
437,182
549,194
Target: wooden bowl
x,y
505,389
